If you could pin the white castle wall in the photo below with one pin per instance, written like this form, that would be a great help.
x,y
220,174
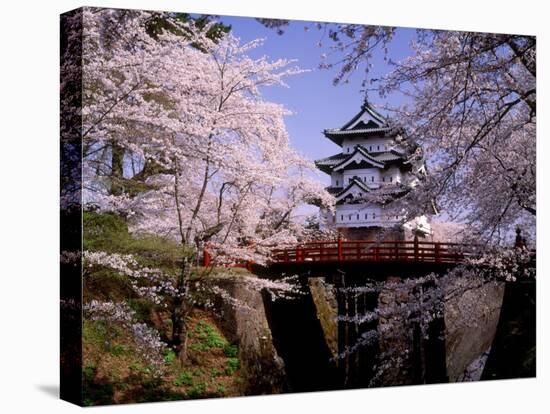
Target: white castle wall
x,y
336,179
361,215
371,144
370,176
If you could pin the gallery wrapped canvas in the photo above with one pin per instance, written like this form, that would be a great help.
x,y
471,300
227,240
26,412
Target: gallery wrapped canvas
x,y
261,206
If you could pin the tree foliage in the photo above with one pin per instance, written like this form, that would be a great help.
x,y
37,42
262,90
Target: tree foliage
x,y
470,102
210,158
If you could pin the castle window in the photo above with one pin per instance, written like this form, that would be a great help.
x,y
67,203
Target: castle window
x,y
370,148
391,179
372,178
357,216
384,179
378,147
366,216
373,216
349,217
342,217
336,183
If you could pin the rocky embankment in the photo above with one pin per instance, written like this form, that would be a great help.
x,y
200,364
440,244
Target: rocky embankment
x,y
244,322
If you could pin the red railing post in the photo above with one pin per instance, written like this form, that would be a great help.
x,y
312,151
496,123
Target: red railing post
x,y
416,248
396,245
206,259
340,255
437,252
321,252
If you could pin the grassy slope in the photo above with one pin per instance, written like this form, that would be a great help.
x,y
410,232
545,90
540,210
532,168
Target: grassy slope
x,y
113,371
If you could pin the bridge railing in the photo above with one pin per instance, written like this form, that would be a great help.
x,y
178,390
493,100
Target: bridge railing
x,y
373,251
368,251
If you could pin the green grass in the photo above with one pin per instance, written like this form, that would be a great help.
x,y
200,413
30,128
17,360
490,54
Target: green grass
x,y
184,378
101,334
121,370
118,350
109,232
232,364
221,390
230,351
169,357
134,366
206,337
89,371
197,390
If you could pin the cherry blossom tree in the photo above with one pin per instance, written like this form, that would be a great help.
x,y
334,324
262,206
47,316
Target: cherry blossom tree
x,y
472,108
162,289
470,102
220,167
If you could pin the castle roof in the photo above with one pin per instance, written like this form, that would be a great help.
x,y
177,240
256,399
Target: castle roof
x,y
383,192
348,190
326,164
359,157
386,193
366,122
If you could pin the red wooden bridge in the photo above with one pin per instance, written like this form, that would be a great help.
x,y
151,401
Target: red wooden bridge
x,y
373,251
349,251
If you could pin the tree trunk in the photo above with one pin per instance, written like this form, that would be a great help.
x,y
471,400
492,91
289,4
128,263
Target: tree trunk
x,y
180,310
179,336
117,169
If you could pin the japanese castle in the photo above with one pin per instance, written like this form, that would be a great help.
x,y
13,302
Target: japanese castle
x,y
371,173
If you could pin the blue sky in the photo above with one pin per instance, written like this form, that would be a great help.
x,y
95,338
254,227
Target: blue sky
x,y
316,103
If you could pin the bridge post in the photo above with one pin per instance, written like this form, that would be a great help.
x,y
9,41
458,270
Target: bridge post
x,y
437,252
206,259
416,248
396,245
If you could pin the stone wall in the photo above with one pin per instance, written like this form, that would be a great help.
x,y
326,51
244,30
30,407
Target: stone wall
x,y
463,335
327,310
471,320
457,343
244,323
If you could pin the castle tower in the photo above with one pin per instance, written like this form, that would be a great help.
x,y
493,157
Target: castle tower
x,y
369,176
